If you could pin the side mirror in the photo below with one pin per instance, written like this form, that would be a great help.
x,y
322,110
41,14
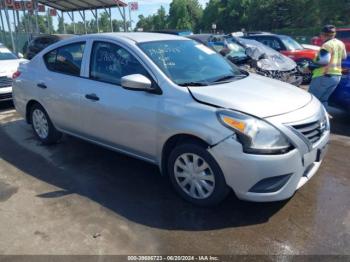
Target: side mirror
x,y
136,82
20,55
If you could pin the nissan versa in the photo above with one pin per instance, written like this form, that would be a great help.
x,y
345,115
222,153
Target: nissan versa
x,y
173,102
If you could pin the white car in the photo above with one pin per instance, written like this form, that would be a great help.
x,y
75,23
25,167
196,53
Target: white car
x,y
9,63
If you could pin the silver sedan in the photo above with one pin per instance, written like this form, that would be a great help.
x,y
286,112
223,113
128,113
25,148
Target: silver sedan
x,y
168,100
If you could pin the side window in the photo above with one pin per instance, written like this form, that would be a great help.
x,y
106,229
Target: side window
x,y
271,42
218,46
50,59
66,59
109,63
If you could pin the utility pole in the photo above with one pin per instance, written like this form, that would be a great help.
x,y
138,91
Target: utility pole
x,y
2,28
125,23
9,27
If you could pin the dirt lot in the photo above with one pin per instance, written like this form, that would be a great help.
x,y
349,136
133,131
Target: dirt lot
x,y
78,198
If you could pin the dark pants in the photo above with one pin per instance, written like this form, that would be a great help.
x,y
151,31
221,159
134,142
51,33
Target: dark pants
x,y
322,87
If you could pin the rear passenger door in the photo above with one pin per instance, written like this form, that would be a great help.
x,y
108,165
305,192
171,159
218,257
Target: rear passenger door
x,y
61,86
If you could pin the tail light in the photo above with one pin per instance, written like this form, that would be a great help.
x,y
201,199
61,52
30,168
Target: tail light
x,y
16,75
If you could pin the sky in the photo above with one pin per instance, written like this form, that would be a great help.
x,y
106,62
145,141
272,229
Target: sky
x,y
146,7
149,7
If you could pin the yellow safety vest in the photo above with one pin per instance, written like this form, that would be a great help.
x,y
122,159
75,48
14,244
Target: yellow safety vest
x,y
336,48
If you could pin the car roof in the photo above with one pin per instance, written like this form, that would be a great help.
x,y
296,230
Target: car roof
x,y
262,34
135,37
266,35
203,38
170,31
259,33
343,29
140,37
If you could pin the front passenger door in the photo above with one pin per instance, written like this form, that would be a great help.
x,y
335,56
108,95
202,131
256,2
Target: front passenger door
x,y
112,115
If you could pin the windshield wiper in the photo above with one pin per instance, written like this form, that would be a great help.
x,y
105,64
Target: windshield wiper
x,y
193,84
224,78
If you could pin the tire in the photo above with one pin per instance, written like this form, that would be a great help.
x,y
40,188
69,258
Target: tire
x,y
42,126
210,179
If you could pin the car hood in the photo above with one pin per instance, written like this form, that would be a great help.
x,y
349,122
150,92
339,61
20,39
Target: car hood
x,y
273,61
311,47
8,67
255,95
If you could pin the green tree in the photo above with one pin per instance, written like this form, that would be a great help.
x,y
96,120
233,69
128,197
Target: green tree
x,y
211,14
160,19
153,22
60,28
185,14
45,23
146,23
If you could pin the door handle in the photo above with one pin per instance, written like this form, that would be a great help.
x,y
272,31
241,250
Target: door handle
x,y
92,97
42,85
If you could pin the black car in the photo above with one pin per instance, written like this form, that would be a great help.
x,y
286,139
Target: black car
x,y
41,42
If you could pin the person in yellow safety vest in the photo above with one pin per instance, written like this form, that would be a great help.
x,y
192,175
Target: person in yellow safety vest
x,y
326,78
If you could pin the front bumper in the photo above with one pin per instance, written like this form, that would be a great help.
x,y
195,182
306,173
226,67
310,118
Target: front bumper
x,y
246,172
6,93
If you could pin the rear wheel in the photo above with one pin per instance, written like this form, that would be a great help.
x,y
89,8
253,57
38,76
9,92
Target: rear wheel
x,y
196,176
42,125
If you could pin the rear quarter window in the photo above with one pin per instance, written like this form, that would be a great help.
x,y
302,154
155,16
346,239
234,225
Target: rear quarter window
x,y
50,59
66,59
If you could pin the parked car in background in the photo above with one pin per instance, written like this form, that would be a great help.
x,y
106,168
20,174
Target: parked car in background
x,y
341,96
178,104
287,46
346,63
9,63
343,34
253,56
174,32
311,47
41,42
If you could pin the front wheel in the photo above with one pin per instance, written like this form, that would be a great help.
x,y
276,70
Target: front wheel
x,y
196,176
42,126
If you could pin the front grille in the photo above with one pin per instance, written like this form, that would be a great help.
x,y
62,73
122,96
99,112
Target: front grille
x,y
312,131
5,81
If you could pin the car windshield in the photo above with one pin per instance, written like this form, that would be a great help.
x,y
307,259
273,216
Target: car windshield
x,y
187,62
236,49
6,54
290,43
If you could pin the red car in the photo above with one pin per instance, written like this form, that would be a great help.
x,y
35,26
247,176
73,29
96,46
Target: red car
x,y
343,34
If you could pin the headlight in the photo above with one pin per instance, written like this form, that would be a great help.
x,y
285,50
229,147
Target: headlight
x,y
256,136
